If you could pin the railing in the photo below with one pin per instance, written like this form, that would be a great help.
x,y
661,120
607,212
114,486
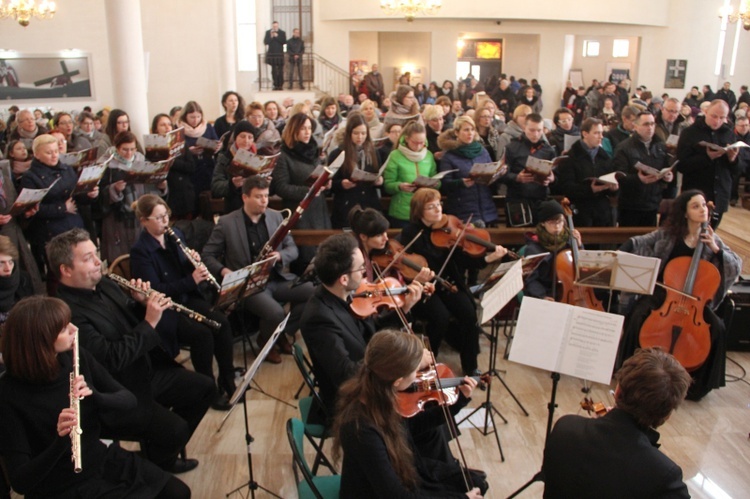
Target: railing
x,y
317,72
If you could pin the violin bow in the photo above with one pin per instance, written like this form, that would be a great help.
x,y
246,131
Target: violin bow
x,y
455,245
398,255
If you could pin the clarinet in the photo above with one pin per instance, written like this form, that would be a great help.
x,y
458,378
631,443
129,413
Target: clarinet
x,y
289,222
75,404
192,314
189,255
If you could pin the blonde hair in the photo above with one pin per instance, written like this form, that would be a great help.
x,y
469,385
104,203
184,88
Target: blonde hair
x,y
42,140
522,110
432,112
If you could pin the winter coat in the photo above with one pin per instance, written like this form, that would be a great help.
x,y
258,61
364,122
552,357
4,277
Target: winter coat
x,y
634,194
516,155
400,169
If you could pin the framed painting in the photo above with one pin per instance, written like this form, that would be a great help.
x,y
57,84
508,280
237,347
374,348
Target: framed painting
x,y
676,71
45,77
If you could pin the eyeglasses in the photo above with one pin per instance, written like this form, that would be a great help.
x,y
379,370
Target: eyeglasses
x,y
160,218
361,270
65,123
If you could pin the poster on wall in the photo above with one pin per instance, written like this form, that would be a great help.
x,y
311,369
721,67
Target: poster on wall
x,y
676,71
45,77
618,71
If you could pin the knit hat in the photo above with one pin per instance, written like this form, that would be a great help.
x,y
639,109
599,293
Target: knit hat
x,y
243,126
657,100
548,210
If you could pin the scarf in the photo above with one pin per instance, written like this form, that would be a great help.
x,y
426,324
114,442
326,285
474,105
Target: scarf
x,y
550,242
413,156
471,150
125,162
196,132
402,110
8,288
305,152
20,167
328,123
28,135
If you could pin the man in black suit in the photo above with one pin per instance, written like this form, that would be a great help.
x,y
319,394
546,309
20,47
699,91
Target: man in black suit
x,y
617,455
236,242
130,349
335,338
274,41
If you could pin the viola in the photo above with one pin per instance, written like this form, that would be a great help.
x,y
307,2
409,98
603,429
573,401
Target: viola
x,y
370,298
436,385
678,326
409,264
474,242
566,264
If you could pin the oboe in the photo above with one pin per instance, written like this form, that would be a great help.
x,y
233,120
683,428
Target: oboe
x,y
192,314
75,404
189,255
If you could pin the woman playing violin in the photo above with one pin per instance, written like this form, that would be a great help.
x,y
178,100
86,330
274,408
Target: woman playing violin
x,y
551,235
426,212
379,455
678,238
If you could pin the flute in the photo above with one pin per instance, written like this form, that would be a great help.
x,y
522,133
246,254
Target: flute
x,y
189,255
75,404
192,314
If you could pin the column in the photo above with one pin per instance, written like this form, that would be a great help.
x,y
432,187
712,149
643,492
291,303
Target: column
x,y
127,61
227,46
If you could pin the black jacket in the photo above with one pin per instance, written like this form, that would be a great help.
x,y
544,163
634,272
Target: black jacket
x,y
611,456
516,154
634,194
712,176
295,46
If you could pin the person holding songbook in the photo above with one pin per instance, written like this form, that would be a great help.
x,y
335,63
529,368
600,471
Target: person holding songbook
x,y
678,238
63,123
120,227
20,160
487,134
157,258
234,107
426,212
196,128
551,235
36,419
117,121
182,197
349,186
464,196
222,184
57,212
380,458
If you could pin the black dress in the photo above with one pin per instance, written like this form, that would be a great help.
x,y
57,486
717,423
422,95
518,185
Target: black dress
x,y
39,461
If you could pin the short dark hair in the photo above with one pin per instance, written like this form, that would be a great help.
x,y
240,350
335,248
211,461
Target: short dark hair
x,y
60,248
124,138
652,385
558,113
629,112
534,117
254,182
334,257
589,123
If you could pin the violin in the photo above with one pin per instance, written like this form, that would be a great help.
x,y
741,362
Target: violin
x,y
409,264
427,389
370,298
566,264
474,242
678,326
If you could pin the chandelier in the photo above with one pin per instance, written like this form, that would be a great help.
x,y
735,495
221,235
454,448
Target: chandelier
x,y
410,8
23,10
742,15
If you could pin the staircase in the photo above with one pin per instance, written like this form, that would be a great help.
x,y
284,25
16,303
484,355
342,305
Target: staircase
x,y
318,74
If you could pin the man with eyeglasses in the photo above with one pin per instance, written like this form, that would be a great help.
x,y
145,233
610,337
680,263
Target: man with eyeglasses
x,y
237,240
640,194
706,169
27,128
335,338
670,121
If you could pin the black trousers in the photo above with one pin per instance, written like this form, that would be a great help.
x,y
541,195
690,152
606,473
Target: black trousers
x,y
298,66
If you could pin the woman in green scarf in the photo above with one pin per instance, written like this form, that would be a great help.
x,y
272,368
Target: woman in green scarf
x,y
550,236
465,197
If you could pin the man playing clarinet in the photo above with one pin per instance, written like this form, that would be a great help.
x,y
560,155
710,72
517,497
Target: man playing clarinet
x,y
237,241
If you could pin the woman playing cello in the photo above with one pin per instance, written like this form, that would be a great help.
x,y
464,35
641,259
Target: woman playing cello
x,y
679,238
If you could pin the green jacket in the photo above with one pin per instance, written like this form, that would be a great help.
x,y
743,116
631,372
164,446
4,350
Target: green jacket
x,y
400,169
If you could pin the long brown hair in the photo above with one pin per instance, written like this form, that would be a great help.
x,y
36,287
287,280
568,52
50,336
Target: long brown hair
x,y
371,397
29,334
677,225
354,120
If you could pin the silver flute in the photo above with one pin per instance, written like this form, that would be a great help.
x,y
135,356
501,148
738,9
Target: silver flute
x,y
189,255
75,404
192,314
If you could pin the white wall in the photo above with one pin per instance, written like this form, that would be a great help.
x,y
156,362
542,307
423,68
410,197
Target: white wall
x,y
401,49
595,67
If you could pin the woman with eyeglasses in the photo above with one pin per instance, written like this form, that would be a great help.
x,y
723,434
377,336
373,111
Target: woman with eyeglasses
x,y
117,121
564,125
86,128
426,211
408,160
487,134
120,226
63,123
155,257
36,418
433,118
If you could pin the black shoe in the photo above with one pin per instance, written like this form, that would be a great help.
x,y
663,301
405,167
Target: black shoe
x,y
221,403
183,466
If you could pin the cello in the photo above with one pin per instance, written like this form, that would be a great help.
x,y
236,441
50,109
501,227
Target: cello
x,y
566,264
678,326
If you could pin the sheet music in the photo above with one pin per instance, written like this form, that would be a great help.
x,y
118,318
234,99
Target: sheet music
x,y
503,292
618,270
570,340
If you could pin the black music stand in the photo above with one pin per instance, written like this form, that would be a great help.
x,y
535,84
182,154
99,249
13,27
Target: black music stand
x,y
240,393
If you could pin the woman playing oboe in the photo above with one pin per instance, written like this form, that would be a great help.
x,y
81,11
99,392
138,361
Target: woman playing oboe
x,y
35,418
